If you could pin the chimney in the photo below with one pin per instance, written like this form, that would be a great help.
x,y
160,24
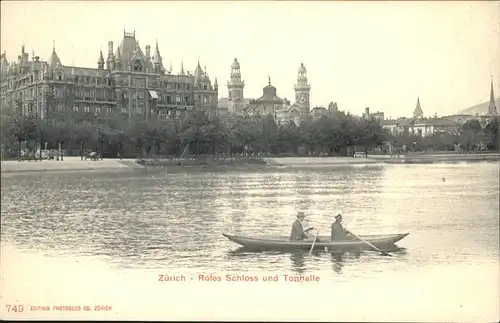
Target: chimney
x,y
148,51
110,48
367,112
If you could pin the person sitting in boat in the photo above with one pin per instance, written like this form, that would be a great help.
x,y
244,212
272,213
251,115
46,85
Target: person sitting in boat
x,y
338,232
298,232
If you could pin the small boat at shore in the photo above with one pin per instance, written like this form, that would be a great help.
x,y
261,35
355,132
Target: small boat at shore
x,y
283,243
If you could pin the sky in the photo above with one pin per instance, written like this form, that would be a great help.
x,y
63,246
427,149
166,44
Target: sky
x,y
381,55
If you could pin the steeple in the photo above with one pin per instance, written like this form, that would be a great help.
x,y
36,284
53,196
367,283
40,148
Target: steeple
x,y
418,113
157,60
100,61
118,59
198,72
53,59
205,75
492,109
182,68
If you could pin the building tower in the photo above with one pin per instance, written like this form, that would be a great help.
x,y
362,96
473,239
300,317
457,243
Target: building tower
x,y
100,62
302,89
492,109
235,90
110,62
418,113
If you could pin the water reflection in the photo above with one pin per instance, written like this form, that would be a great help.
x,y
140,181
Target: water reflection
x,y
298,262
157,219
337,261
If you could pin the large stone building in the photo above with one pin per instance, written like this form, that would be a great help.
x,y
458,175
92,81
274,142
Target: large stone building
x,y
129,83
284,112
269,103
422,126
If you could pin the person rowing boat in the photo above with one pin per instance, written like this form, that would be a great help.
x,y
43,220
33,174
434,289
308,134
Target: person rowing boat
x,y
338,232
298,232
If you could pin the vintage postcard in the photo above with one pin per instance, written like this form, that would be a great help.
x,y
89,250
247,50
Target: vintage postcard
x,y
250,161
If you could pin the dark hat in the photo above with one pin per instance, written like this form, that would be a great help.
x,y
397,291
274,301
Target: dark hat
x,y
338,216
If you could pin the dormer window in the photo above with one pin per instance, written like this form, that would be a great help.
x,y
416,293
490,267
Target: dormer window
x,y
137,66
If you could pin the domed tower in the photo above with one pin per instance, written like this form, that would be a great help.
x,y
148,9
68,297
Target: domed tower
x,y
302,88
235,89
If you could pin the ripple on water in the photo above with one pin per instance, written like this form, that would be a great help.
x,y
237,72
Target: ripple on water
x,y
160,220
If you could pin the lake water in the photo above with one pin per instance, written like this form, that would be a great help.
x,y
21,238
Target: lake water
x,y
86,239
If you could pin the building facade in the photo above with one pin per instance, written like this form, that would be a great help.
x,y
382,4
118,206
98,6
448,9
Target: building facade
x,y
283,111
129,83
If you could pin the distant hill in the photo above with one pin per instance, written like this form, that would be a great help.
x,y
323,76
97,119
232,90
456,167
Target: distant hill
x,y
481,108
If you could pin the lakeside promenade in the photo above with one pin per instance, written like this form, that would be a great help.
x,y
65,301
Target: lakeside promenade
x,y
69,163
76,164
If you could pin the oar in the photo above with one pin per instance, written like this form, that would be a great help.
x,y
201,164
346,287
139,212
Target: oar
x,y
314,241
377,249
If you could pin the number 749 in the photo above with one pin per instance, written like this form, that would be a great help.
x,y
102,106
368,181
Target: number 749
x,y
14,308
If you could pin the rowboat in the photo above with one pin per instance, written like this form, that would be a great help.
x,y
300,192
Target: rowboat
x,y
283,243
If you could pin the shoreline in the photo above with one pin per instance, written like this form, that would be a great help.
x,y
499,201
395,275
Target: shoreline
x,y
76,165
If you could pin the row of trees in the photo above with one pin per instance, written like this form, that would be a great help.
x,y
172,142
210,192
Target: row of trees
x,y
469,137
336,134
203,133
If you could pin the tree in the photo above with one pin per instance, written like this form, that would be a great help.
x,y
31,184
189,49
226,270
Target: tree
x,y
491,133
84,132
470,134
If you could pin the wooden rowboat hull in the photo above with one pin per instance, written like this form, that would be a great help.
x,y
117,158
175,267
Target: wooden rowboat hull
x,y
283,243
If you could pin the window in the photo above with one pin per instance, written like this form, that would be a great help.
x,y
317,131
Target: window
x,y
87,109
204,87
109,111
75,108
124,110
98,109
137,66
186,99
